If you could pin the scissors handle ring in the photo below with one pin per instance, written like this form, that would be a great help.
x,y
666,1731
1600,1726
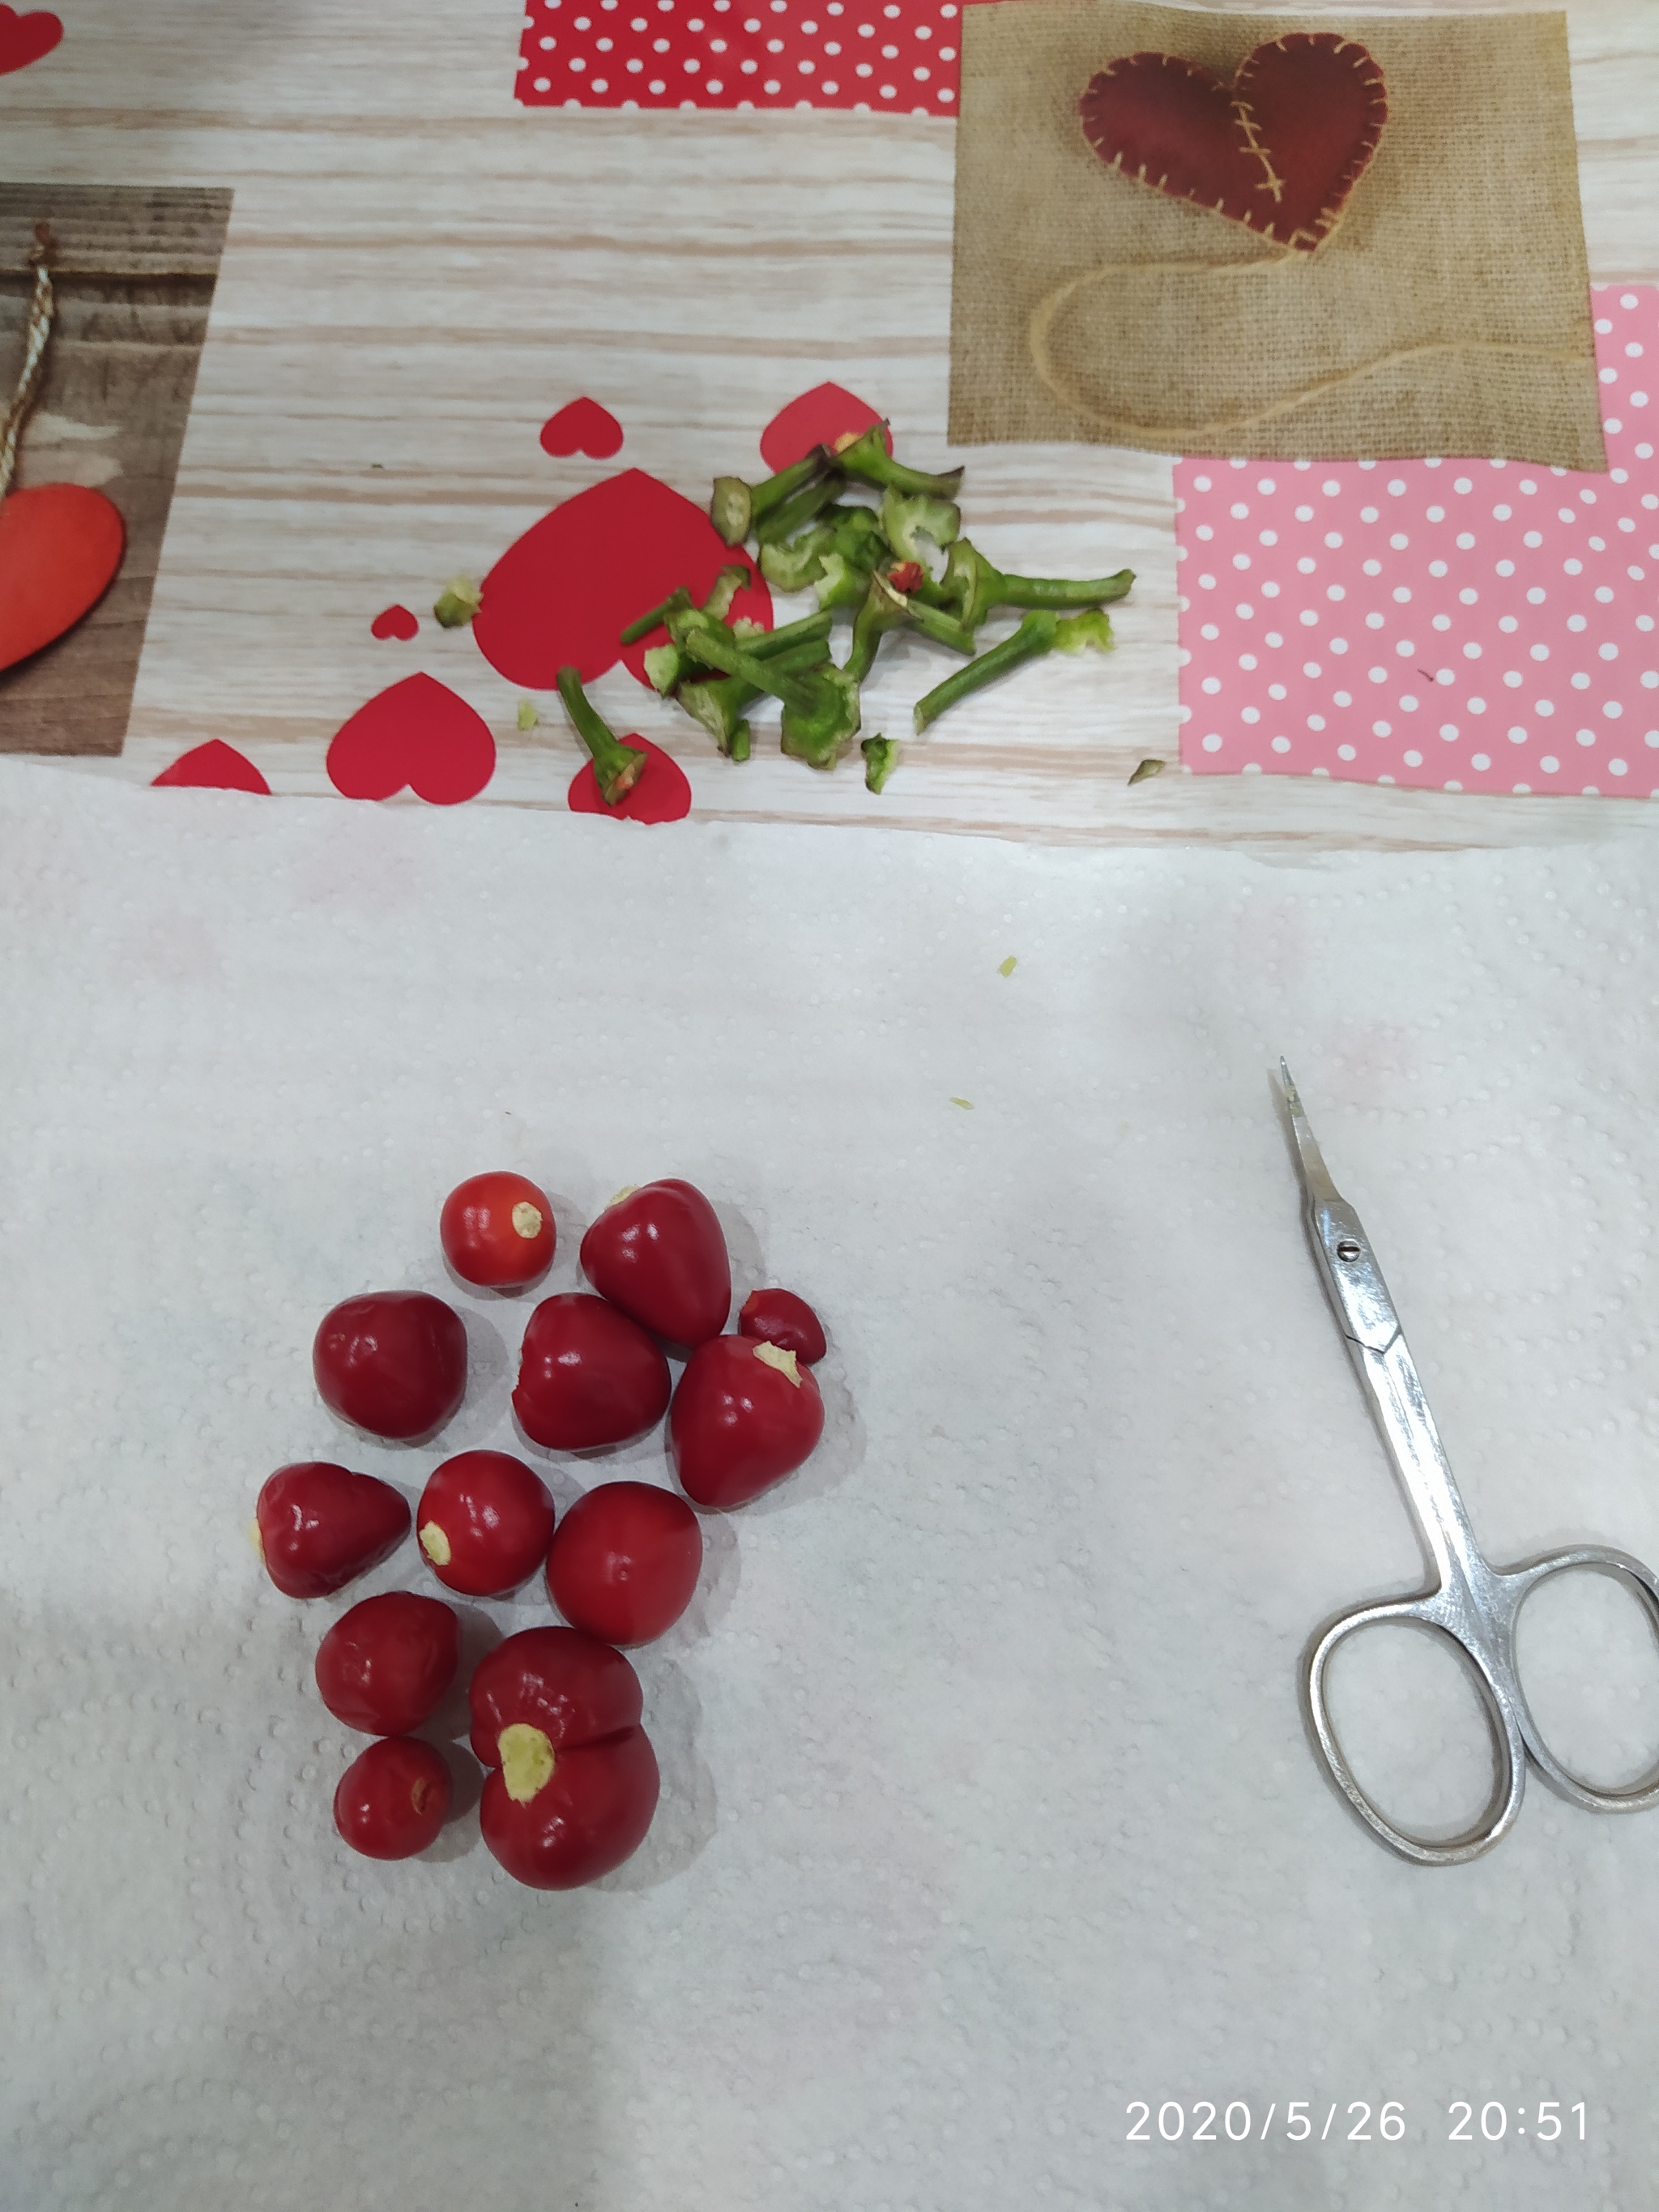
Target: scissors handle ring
x,y
1510,1786
1517,1584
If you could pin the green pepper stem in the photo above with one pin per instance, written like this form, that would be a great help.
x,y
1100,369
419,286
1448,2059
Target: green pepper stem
x,y
617,767
1034,637
867,460
794,513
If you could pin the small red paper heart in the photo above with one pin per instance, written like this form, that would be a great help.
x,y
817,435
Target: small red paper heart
x,y
24,39
215,766
818,417
662,793
60,546
583,426
417,733
394,621
1279,149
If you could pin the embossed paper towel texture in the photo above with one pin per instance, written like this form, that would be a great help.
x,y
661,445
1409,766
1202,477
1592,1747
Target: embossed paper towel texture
x,y
987,1807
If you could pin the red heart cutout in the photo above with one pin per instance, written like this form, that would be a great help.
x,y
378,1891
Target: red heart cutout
x,y
583,426
417,733
819,418
24,39
393,622
213,767
60,546
559,597
662,793
1278,149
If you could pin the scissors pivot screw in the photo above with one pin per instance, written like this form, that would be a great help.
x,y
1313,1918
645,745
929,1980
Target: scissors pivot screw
x,y
1347,1249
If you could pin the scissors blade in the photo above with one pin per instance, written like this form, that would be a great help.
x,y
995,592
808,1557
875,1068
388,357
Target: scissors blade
x,y
1342,1251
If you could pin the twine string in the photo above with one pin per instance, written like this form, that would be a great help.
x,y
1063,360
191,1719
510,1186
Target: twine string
x,y
36,333
1177,435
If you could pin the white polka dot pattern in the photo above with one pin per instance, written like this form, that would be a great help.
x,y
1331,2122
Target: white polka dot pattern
x,y
894,55
1459,625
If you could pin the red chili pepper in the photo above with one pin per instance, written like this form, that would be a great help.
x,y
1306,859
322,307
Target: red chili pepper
x,y
393,1798
659,1253
587,1375
394,1361
384,1666
625,1562
744,1415
572,1779
497,1230
780,1317
485,1523
318,1526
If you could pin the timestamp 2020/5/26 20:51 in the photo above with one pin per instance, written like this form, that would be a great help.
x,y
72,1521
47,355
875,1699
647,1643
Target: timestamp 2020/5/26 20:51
x,y
1299,2121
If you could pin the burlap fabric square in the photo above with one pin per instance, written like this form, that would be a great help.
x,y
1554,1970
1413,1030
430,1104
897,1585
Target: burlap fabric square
x,y
1448,313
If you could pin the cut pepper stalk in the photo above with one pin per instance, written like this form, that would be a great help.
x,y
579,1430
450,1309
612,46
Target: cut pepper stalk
x,y
721,702
866,461
729,582
973,586
820,704
880,759
735,505
886,609
1042,631
905,516
617,767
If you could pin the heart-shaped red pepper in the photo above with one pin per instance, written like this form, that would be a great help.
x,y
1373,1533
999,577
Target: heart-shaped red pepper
x,y
60,546
321,1526
1279,149
572,1779
660,1253
587,1375
745,1415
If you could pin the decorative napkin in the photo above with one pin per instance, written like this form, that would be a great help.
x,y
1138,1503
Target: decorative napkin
x,y
1445,311
987,1807
1476,624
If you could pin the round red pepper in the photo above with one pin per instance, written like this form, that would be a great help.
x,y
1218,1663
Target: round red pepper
x,y
384,1666
497,1230
394,1361
587,1375
485,1521
625,1562
659,1253
319,1525
393,1798
744,1415
780,1317
572,1779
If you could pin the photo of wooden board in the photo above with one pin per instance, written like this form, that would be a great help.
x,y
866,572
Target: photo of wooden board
x,y
133,271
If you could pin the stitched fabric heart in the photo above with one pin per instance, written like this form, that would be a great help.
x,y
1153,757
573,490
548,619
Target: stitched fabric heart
x,y
25,38
60,546
1279,149
420,734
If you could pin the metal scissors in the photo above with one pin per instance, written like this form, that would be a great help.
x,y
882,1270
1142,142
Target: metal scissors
x,y
1472,1601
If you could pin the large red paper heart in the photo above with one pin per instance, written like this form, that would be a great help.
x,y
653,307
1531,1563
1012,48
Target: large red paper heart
x,y
560,595
60,546
419,733
24,39
215,766
583,426
1278,149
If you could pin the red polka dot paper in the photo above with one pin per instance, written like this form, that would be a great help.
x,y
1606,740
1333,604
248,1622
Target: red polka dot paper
x,y
1455,625
896,56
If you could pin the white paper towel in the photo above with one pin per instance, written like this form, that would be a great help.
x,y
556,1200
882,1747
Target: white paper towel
x,y
988,1808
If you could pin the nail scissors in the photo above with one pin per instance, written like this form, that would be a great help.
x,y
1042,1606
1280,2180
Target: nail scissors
x,y
1471,1601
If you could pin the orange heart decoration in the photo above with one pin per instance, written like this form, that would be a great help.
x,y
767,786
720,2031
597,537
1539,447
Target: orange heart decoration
x,y
60,546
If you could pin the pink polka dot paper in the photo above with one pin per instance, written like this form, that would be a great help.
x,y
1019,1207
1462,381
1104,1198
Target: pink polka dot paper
x,y
896,56
1456,625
